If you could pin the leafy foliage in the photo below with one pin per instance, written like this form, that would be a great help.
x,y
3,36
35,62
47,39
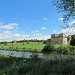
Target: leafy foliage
x,y
62,50
48,41
5,43
22,66
66,7
72,42
48,48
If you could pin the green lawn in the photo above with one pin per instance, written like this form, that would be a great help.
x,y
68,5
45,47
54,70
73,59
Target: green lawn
x,y
25,46
58,45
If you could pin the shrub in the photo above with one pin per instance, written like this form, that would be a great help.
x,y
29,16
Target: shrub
x,y
71,48
48,48
34,56
16,48
23,43
24,48
10,48
5,43
27,42
62,50
38,43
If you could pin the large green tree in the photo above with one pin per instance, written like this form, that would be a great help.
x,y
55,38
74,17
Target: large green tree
x,y
66,7
72,42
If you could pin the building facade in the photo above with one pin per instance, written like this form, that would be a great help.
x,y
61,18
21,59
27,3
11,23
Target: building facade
x,y
60,38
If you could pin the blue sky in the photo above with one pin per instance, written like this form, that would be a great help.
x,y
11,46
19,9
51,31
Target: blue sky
x,y
30,19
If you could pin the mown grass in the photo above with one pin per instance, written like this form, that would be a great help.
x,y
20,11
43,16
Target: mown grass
x,y
25,46
38,47
58,45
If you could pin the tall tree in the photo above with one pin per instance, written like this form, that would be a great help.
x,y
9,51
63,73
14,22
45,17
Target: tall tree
x,y
66,7
72,42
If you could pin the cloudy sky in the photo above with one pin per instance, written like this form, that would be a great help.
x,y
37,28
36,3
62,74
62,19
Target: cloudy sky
x,y
31,19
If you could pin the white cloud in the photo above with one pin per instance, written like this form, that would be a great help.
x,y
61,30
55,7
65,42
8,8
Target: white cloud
x,y
72,24
36,31
18,36
44,19
43,28
70,28
54,31
60,19
40,36
5,35
10,36
9,26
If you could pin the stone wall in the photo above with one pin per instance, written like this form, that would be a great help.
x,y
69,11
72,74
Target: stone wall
x,y
60,39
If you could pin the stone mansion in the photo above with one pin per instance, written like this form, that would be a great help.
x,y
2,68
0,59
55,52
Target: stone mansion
x,y
60,38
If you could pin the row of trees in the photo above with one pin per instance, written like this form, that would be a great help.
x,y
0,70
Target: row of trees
x,y
32,40
21,41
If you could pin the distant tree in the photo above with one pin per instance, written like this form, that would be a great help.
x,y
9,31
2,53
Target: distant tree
x,y
72,42
1,42
48,41
5,43
44,42
66,7
27,42
23,43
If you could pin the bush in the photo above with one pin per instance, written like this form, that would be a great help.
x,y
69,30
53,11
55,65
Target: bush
x,y
62,50
48,48
71,48
23,43
27,42
5,43
10,48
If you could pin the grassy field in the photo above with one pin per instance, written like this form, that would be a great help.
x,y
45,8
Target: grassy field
x,y
32,47
25,46
64,45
